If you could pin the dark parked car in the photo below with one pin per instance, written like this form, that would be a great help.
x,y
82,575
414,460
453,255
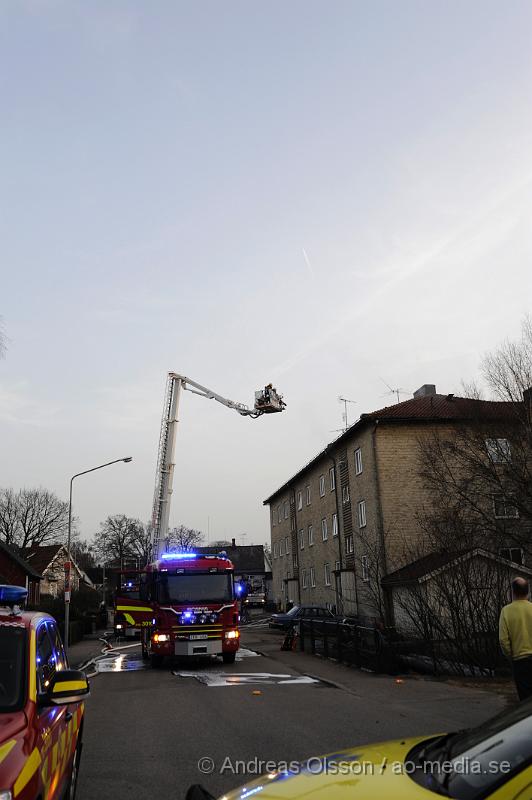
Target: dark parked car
x,y
283,622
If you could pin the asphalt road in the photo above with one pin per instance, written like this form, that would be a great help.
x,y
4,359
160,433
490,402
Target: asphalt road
x,y
147,730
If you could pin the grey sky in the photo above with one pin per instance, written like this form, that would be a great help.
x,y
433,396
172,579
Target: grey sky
x,y
317,194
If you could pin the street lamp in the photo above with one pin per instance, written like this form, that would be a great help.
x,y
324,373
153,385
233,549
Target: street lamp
x,y
67,590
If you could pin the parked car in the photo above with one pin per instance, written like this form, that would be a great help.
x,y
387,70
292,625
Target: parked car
x,y
490,762
41,705
285,621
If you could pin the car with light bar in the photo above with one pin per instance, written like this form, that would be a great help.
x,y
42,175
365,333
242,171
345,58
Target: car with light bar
x,y
42,705
187,608
490,762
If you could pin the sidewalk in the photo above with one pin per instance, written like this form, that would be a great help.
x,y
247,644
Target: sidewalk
x,y
425,698
88,648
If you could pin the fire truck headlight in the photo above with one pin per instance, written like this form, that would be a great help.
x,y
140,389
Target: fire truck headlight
x,y
161,637
6,795
203,618
213,617
232,634
119,627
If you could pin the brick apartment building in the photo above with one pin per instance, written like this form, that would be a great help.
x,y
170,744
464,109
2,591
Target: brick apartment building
x,y
359,497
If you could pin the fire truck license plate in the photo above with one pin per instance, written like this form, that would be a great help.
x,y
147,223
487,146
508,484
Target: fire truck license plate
x,y
199,636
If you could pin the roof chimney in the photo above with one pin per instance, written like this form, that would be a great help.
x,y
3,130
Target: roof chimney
x,y
233,542
425,390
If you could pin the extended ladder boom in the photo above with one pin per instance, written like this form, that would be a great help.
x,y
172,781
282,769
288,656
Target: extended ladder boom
x,y
267,401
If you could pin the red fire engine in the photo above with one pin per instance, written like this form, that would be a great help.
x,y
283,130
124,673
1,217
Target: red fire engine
x,y
187,607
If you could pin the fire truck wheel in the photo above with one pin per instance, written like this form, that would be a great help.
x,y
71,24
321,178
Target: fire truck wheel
x,y
229,658
156,660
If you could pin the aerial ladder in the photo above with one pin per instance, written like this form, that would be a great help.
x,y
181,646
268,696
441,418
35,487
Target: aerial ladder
x,y
267,401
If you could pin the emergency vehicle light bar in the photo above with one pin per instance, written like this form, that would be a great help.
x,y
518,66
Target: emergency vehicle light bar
x,y
12,595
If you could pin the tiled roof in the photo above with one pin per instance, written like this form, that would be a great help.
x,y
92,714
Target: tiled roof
x,y
29,569
40,557
436,408
432,562
444,407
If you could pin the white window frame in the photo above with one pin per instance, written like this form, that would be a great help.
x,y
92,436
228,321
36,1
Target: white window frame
x,y
365,569
337,566
349,544
281,547
312,577
304,577
362,518
327,573
506,505
275,549
310,536
299,500
332,479
335,524
358,461
286,509
499,450
324,530
346,497
302,539
322,485
308,495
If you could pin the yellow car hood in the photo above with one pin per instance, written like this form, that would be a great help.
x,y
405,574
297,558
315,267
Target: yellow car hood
x,y
374,772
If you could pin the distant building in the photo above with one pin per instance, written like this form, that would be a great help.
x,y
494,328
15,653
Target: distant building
x,y
16,571
357,501
249,560
49,561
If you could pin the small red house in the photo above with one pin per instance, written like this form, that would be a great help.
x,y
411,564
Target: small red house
x,y
14,570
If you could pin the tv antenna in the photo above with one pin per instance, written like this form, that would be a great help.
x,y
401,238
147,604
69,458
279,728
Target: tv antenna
x,y
345,420
397,392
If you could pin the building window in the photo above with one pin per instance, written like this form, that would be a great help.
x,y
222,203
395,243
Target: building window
x,y
362,514
294,560
327,574
349,548
307,491
332,479
310,536
299,500
275,549
358,461
514,554
324,531
301,540
286,509
287,545
504,509
337,566
280,514
335,524
499,450
281,547
312,577
305,579
345,494
292,523
365,568
322,485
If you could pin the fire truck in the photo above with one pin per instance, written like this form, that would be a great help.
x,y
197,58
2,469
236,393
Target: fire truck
x,y
186,608
127,589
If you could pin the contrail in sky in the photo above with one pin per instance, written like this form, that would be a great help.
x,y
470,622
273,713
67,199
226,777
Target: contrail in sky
x,y
307,261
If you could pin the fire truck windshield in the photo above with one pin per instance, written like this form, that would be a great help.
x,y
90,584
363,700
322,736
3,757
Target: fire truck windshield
x,y
195,588
12,667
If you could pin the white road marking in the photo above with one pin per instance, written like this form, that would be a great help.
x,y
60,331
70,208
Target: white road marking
x,y
244,678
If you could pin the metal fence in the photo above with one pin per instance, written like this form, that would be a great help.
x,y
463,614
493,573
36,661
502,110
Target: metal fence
x,y
368,647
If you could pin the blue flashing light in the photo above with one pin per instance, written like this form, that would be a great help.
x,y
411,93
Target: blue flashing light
x,y
187,614
239,588
178,555
13,595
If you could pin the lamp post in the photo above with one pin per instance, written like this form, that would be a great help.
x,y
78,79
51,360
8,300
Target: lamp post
x,y
67,587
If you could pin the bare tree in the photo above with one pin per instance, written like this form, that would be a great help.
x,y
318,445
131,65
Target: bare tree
x,y
116,539
32,517
141,546
183,538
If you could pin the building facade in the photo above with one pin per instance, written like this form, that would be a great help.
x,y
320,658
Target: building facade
x,y
350,517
